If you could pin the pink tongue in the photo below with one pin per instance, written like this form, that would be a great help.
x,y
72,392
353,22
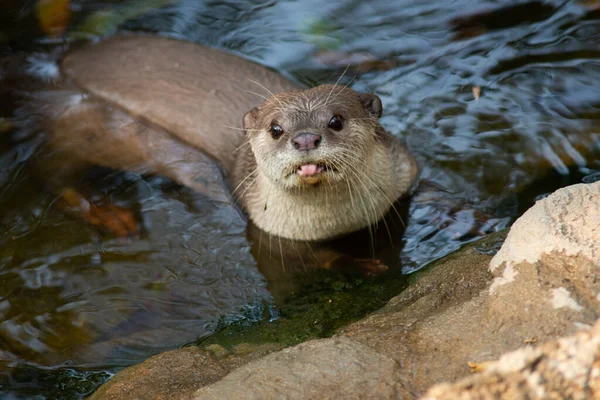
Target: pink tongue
x,y
308,170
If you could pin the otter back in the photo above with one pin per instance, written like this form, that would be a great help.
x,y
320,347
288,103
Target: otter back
x,y
195,92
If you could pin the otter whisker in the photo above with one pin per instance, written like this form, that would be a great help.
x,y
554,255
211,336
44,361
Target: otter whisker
x,y
241,196
246,143
244,180
292,242
335,85
261,231
267,100
377,213
364,119
260,235
243,129
381,215
268,91
349,187
281,254
270,236
257,94
312,252
393,207
329,187
373,219
355,172
345,86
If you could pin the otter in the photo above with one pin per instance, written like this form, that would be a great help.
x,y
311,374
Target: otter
x,y
307,165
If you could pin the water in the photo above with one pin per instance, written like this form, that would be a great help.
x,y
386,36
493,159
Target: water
x,y
499,109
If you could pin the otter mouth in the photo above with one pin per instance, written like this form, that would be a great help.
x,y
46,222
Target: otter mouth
x,y
311,169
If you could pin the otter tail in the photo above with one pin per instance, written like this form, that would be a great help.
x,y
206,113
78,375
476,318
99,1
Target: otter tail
x,y
21,73
22,77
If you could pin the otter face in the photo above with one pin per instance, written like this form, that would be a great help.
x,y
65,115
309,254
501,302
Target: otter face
x,y
305,138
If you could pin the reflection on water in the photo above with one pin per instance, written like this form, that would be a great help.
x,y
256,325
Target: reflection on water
x,y
70,296
289,266
67,292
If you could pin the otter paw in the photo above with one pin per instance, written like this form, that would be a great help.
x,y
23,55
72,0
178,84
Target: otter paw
x,y
119,221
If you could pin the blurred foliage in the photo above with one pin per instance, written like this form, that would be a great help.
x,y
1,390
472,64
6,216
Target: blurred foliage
x,y
55,17
105,22
322,33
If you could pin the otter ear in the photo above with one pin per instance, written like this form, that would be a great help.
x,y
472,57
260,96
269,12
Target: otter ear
x,y
372,104
250,119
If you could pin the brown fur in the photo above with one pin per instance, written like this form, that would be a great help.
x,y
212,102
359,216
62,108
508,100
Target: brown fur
x,y
152,104
372,168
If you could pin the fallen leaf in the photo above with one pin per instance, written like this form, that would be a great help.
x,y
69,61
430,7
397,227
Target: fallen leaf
x,y
358,62
6,125
476,92
53,16
591,5
479,367
119,221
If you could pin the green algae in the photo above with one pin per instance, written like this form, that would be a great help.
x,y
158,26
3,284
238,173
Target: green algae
x,y
329,303
316,311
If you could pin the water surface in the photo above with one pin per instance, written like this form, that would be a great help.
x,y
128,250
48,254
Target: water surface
x,y
499,102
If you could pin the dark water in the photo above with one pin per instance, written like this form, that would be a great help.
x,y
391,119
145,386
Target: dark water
x,y
75,299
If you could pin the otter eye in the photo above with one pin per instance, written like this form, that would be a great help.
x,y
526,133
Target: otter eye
x,y
276,130
335,123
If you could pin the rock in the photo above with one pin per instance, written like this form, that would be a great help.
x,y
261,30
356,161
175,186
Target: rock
x,y
438,324
457,313
177,374
566,222
173,374
542,285
337,368
564,368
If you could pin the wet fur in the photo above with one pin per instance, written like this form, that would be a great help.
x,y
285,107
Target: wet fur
x,y
373,168
92,117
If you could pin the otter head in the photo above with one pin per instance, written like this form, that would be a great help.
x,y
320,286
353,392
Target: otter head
x,y
307,138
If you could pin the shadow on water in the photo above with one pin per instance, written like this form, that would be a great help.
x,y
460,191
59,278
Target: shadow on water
x,y
500,102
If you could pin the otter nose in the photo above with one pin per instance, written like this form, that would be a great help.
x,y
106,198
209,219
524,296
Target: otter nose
x,y
306,141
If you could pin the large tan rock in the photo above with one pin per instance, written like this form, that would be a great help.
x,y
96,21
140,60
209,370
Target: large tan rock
x,y
566,222
337,368
560,369
176,374
170,375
